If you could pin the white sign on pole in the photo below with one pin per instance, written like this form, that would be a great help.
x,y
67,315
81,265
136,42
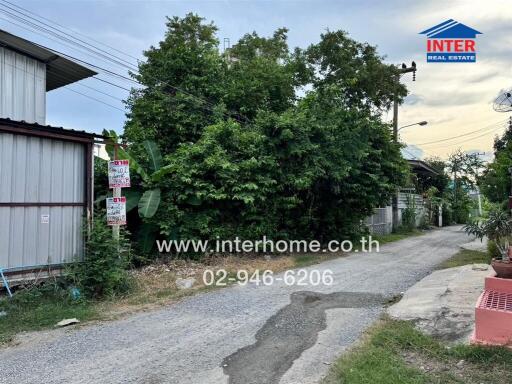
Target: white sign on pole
x,y
116,210
119,174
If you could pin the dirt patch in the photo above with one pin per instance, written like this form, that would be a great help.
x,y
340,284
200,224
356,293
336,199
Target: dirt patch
x,y
448,371
155,285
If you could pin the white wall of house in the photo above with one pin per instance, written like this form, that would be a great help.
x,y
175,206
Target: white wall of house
x,y
22,87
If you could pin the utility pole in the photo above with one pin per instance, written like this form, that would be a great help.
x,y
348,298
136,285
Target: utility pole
x,y
404,69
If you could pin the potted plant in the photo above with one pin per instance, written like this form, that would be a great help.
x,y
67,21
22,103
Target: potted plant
x,y
498,228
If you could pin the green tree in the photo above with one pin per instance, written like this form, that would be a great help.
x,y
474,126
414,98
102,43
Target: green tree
x,y
179,79
289,144
361,78
464,168
495,181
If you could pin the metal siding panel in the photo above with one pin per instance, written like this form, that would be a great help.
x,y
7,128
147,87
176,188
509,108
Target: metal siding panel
x,y
40,93
6,169
22,87
45,171
40,170
19,165
16,246
7,84
43,238
57,168
33,156
5,233
29,255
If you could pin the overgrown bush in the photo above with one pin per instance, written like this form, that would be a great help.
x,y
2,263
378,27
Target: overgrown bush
x,y
493,250
409,214
264,157
497,228
103,271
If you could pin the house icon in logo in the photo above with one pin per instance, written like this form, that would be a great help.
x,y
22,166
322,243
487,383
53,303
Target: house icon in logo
x,y
451,42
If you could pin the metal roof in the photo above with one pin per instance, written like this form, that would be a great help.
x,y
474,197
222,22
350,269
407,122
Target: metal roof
x,y
422,167
60,71
22,127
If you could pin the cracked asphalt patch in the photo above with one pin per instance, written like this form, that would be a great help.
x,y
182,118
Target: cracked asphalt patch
x,y
288,333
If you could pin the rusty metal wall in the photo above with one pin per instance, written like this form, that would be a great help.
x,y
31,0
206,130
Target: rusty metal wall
x,y
40,177
22,87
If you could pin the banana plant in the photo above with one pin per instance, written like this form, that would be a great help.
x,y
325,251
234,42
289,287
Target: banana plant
x,y
148,201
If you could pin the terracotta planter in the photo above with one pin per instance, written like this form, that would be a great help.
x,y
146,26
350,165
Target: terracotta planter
x,y
493,313
503,268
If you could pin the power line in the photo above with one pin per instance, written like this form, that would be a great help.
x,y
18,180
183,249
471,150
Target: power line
x,y
71,30
64,36
230,114
470,139
95,99
465,134
70,89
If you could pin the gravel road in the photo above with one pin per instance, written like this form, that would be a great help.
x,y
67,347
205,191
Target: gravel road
x,y
274,334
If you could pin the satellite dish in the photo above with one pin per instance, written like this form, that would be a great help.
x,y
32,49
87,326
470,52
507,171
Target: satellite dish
x,y
503,102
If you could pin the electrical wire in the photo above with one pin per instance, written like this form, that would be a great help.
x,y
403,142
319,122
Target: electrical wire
x,y
70,89
66,37
230,114
71,30
487,127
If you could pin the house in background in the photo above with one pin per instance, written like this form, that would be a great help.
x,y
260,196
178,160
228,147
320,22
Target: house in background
x,y
46,173
381,222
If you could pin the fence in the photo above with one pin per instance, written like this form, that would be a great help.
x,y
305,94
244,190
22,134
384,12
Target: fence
x,y
381,222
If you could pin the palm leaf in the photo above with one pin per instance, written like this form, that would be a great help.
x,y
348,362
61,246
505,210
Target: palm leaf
x,y
149,202
132,199
155,157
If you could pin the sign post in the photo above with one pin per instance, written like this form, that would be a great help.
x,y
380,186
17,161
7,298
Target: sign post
x,y
118,177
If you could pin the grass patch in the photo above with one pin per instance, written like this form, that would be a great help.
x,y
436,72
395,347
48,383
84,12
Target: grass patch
x,y
464,257
394,352
40,308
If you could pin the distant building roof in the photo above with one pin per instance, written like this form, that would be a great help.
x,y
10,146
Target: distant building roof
x,y
451,29
419,166
60,71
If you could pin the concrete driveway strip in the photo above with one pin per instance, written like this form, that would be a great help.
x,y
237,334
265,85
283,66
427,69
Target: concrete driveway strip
x,y
274,334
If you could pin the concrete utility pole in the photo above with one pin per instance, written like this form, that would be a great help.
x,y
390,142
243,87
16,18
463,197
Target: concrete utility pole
x,y
404,69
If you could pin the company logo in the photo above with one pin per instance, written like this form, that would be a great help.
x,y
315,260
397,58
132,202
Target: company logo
x,y
451,42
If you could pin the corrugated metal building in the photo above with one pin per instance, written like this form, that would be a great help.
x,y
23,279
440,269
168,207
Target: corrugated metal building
x,y
45,172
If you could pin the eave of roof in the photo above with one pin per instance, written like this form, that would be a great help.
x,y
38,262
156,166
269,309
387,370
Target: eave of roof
x,y
60,71
34,129
419,165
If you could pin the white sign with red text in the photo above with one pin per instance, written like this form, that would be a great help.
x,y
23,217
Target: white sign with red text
x,y
119,174
116,210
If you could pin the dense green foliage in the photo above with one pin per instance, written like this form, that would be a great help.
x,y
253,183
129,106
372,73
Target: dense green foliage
x,y
495,181
497,228
103,271
261,139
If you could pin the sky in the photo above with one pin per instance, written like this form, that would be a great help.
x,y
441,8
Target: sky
x,y
455,98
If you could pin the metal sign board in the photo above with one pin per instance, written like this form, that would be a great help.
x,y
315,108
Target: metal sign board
x,y
119,174
116,210
45,219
